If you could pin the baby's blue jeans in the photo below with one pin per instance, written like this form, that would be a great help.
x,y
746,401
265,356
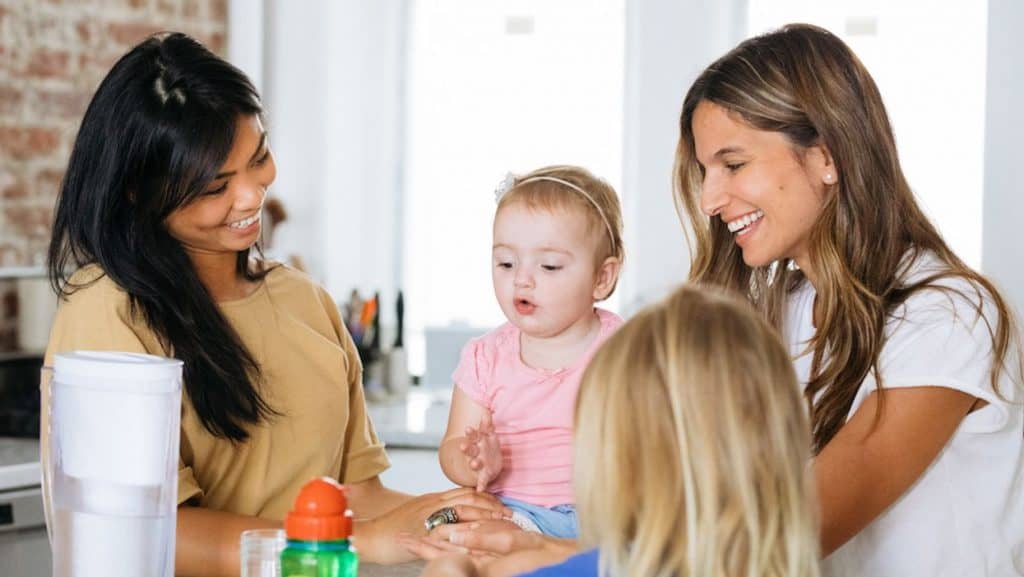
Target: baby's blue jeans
x,y
558,521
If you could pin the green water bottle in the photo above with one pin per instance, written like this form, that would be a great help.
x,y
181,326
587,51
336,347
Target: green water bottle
x,y
319,528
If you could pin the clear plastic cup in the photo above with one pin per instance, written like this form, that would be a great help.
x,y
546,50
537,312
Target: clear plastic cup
x,y
261,552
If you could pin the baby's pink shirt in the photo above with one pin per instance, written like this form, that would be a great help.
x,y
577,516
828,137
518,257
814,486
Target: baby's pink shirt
x,y
532,411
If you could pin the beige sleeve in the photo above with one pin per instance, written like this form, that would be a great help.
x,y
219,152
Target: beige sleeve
x,y
188,485
364,457
98,318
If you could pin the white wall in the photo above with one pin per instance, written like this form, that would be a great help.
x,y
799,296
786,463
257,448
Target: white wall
x,y
331,74
245,38
668,43
343,195
362,222
495,87
926,81
1002,255
332,99
296,98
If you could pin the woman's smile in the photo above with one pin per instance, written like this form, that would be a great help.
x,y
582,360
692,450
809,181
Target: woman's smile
x,y
742,224
246,225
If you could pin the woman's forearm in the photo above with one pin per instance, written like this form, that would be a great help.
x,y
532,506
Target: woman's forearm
x,y
872,461
370,498
208,541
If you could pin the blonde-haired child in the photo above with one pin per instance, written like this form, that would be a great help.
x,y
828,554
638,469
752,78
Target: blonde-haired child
x,y
692,446
691,454
557,251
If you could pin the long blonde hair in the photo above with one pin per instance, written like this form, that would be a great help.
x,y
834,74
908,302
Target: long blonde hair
x,y
806,84
692,447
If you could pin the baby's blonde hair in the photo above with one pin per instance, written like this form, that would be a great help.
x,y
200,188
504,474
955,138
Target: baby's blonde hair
x,y
535,192
692,447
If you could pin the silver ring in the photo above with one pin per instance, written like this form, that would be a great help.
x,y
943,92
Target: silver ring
x,y
443,516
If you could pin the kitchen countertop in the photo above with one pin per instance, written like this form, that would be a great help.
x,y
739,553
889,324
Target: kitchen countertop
x,y
19,463
411,569
417,421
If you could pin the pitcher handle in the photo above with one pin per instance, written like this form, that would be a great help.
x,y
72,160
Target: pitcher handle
x,y
46,436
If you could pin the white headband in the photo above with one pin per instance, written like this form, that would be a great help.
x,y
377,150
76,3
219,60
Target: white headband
x,y
509,182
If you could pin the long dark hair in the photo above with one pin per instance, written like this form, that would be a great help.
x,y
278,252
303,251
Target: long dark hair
x,y
805,83
157,131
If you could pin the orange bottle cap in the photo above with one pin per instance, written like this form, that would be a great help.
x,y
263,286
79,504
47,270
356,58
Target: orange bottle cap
x,y
320,513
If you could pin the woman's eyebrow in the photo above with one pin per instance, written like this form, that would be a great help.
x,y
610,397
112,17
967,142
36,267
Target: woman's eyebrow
x,y
727,150
259,147
720,153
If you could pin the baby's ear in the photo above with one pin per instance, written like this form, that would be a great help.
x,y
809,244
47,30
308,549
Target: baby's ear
x,y
607,276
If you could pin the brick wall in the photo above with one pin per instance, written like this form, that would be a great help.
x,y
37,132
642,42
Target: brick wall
x,y
53,54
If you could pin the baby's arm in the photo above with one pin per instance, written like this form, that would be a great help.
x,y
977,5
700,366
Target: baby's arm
x,y
470,454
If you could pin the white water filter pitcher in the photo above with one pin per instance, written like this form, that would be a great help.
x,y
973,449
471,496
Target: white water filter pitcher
x,y
111,464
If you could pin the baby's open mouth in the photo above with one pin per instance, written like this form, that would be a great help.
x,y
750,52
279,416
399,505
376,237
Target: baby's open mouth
x,y
524,307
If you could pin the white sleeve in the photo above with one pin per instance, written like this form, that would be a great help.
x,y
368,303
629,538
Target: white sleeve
x,y
938,339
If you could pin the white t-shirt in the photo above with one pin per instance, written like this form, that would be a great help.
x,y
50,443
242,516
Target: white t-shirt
x,y
964,516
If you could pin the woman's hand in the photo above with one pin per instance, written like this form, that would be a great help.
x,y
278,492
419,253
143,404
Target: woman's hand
x,y
483,451
488,538
518,551
433,548
495,552
376,538
451,565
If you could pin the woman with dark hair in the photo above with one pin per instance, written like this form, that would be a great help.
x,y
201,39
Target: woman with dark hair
x,y
152,252
788,171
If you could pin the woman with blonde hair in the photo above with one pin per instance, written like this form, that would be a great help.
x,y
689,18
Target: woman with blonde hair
x,y
691,451
787,169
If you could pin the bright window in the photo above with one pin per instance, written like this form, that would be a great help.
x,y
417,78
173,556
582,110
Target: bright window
x,y
928,59
496,87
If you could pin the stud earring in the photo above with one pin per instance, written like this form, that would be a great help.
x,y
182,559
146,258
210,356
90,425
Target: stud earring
x,y
828,178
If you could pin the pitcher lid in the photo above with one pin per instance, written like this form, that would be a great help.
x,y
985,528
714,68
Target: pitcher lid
x,y
115,370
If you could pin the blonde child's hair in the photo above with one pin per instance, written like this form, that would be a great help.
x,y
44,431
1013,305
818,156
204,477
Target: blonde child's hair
x,y
600,203
692,447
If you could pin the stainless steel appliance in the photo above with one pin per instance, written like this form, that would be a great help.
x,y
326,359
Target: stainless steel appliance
x,y
24,547
19,394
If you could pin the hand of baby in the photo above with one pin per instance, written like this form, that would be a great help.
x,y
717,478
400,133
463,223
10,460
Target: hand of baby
x,y
483,450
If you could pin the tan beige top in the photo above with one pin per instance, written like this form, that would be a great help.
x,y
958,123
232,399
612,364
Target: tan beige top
x,y
312,377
